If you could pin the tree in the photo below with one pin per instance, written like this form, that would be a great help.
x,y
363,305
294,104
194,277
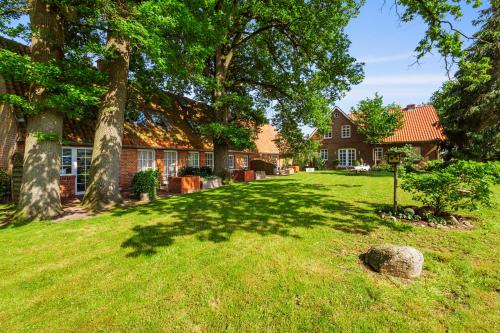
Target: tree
x,y
56,89
468,105
290,56
376,121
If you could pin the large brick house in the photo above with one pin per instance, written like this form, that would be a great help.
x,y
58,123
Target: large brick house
x,y
163,135
343,143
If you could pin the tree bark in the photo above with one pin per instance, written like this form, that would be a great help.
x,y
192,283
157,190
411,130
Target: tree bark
x,y
39,196
104,189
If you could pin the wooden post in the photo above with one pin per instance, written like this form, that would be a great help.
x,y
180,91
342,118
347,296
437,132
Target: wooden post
x,y
395,189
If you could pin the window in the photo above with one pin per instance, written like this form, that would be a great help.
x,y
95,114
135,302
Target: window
x,y
336,115
346,131
170,157
160,120
194,159
209,160
66,161
347,157
276,160
140,118
230,161
323,153
245,161
193,125
145,160
378,154
328,134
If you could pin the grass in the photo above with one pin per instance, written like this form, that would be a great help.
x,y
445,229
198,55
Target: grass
x,y
274,255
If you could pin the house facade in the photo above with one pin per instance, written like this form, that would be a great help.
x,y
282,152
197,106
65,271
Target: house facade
x,y
162,135
342,145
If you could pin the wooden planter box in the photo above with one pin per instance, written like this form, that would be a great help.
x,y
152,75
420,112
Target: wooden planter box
x,y
243,175
296,168
260,174
211,183
186,184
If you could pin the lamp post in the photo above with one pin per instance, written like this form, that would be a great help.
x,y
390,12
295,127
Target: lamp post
x,y
395,159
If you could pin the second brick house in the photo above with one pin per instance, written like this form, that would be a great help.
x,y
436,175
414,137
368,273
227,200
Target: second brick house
x,y
343,144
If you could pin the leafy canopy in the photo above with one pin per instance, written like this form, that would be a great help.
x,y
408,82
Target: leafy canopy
x,y
375,120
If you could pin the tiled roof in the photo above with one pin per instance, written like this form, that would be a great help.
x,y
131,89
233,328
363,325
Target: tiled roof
x,y
265,140
421,123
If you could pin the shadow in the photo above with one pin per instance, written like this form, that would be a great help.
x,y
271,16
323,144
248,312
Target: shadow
x,y
268,207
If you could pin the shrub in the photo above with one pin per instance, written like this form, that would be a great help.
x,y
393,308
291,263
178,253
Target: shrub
x,y
192,171
4,185
318,163
146,182
463,184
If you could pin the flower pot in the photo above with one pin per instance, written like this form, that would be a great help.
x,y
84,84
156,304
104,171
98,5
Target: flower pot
x,y
243,175
185,184
211,183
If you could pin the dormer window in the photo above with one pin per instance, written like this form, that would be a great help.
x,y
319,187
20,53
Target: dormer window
x,y
193,125
345,131
328,134
160,120
141,118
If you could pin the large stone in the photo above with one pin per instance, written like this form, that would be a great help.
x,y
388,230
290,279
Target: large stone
x,y
401,261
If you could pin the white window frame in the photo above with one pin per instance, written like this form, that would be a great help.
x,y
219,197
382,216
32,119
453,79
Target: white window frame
x,y
140,159
211,159
345,131
376,157
345,162
328,134
72,164
245,161
196,160
166,170
323,153
230,158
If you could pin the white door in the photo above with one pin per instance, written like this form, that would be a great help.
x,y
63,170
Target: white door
x,y
170,163
83,160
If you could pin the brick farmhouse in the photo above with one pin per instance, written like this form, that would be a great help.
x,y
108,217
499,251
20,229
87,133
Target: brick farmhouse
x,y
343,144
163,135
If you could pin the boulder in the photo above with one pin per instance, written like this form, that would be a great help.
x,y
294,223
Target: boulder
x,y
401,261
410,211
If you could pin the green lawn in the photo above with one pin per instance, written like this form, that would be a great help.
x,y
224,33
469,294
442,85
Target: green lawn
x,y
274,255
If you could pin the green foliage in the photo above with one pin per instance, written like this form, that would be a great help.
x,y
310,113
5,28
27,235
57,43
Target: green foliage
x,y
411,157
146,182
468,105
376,121
192,171
304,152
460,185
236,136
4,185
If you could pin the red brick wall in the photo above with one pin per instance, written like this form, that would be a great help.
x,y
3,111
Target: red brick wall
x,y
67,187
128,167
363,150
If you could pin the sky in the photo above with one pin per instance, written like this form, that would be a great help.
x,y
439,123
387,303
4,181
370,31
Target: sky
x,y
386,46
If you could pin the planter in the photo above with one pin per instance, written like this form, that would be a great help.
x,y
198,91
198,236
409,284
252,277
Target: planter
x,y
144,197
309,169
211,183
186,184
243,175
260,174
296,168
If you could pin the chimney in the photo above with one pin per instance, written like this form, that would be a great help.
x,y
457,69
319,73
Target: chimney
x,y
410,107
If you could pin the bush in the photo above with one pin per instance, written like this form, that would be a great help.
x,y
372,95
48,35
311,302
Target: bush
x,y
463,184
4,185
192,171
318,163
146,182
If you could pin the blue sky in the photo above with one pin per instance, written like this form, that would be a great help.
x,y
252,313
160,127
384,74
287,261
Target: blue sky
x,y
386,46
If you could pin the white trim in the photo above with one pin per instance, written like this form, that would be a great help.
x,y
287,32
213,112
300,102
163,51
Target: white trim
x,y
246,161
330,132
153,157
375,155
211,165
340,160
230,166
74,165
197,164
165,165
325,153
345,136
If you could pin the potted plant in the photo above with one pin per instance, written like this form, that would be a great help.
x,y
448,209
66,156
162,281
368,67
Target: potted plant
x,y
145,184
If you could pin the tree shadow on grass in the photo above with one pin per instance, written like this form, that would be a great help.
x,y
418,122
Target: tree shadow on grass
x,y
268,207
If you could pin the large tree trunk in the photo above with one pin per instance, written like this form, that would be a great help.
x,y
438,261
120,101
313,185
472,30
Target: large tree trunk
x,y
39,197
221,148
104,190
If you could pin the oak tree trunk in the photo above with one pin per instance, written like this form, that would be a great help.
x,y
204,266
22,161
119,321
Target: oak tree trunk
x,y
39,197
104,189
